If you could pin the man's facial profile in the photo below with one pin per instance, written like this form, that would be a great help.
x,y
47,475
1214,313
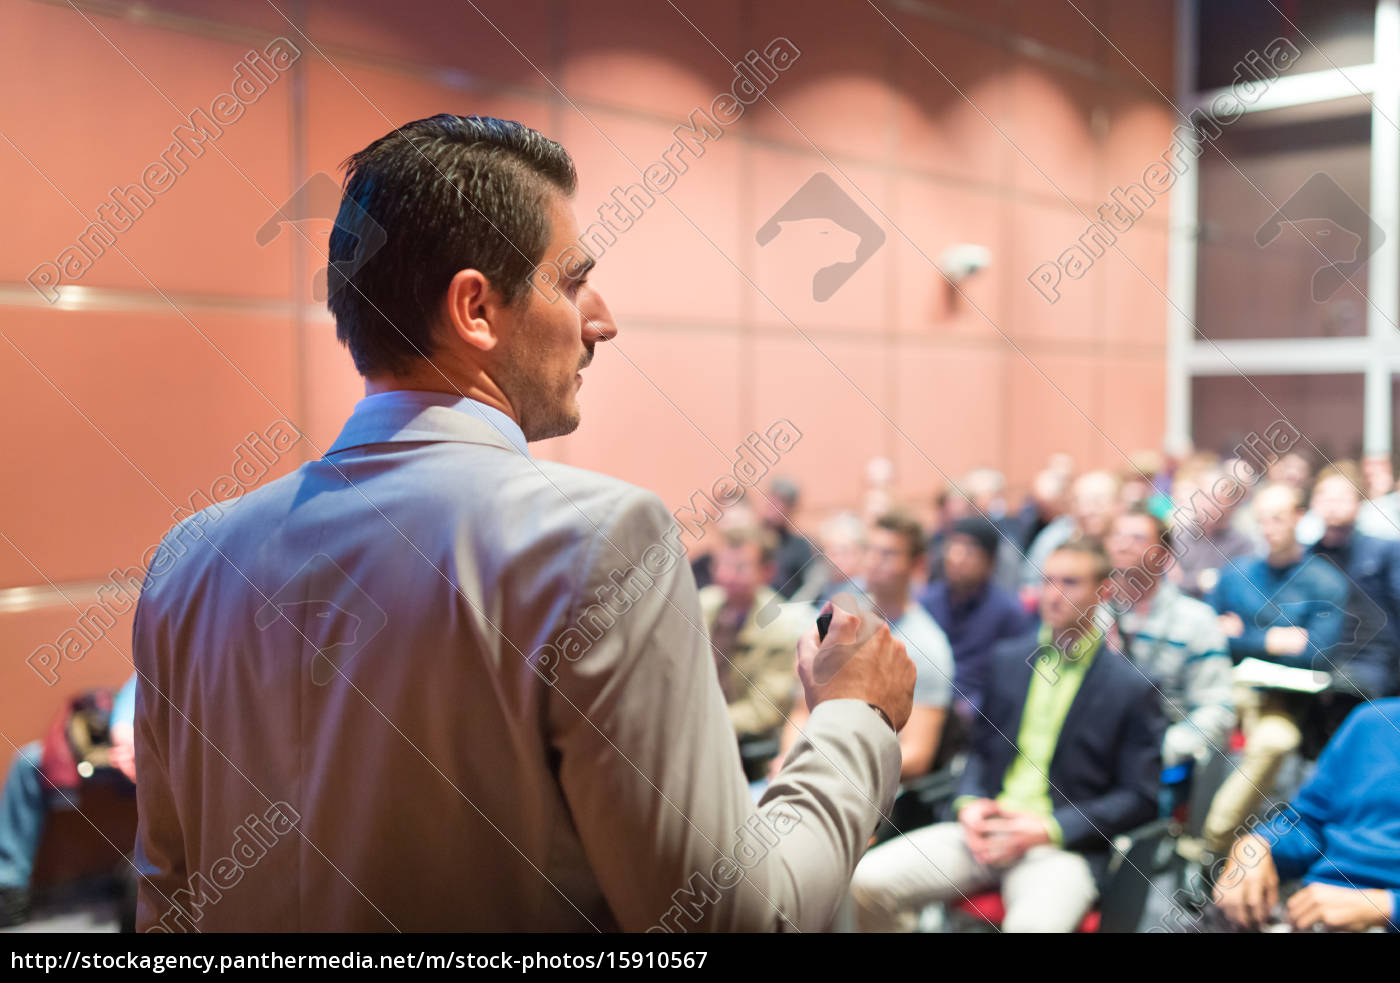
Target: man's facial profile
x,y
543,352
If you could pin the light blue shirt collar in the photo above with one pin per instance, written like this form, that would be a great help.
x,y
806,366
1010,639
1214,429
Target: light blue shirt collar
x,y
492,417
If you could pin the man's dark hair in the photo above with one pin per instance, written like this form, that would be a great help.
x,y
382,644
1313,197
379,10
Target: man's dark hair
x,y
442,194
982,532
908,527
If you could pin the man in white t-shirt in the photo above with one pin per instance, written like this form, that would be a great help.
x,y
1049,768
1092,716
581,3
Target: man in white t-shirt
x,y
894,556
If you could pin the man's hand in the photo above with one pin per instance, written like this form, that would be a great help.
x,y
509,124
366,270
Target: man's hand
x,y
123,753
844,667
1248,887
974,816
1230,624
1286,641
1008,836
1343,909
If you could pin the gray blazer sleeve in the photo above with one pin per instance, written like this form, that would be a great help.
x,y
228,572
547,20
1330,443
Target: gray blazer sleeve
x,y
160,844
649,764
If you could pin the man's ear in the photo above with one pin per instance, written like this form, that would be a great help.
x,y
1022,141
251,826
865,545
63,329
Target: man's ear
x,y
472,309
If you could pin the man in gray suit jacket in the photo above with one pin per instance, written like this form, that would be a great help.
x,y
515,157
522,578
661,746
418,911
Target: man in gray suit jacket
x,y
428,682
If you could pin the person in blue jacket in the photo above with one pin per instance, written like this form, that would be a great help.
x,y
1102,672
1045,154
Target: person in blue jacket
x,y
1365,664
28,798
1286,607
1341,836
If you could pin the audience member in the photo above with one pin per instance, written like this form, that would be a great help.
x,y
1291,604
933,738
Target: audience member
x,y
1380,476
839,563
1139,484
1341,836
1282,607
737,516
1093,504
753,635
1296,471
1251,479
894,558
1045,503
950,506
794,552
973,610
1173,639
1363,663
1204,503
1292,469
978,496
1371,519
1380,517
879,495
29,795
1037,813
986,487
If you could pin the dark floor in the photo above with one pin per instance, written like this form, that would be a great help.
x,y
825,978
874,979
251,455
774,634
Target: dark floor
x,y
73,917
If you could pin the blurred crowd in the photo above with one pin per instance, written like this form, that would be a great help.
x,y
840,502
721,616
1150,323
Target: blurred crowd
x,y
1206,644
1205,649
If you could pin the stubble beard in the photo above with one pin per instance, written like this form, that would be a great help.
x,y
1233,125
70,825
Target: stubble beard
x,y
546,410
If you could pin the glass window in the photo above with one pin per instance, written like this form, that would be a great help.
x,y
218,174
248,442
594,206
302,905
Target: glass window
x,y
1284,228
1325,410
1326,33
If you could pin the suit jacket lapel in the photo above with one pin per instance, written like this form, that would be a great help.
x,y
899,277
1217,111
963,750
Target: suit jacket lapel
x,y
1019,678
1083,698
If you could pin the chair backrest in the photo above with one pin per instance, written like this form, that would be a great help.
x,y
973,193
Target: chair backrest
x,y
1140,856
956,736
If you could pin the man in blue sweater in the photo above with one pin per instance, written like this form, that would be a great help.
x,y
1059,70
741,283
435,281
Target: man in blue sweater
x,y
1365,663
1283,607
1341,836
